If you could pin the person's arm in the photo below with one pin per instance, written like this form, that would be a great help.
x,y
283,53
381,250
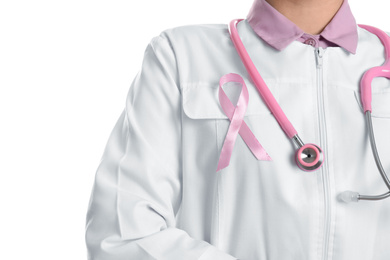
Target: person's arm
x,y
137,190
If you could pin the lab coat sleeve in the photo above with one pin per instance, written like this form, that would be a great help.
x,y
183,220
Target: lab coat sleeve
x,y
137,190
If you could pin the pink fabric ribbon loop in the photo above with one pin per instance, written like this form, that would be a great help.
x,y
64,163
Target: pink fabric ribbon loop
x,y
237,124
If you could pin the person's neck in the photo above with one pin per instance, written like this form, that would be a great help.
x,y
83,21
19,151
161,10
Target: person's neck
x,y
311,16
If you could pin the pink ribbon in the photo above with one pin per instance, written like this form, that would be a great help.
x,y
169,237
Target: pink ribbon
x,y
237,124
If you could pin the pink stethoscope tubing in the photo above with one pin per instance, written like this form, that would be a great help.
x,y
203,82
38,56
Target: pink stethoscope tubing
x,y
312,151
380,71
309,157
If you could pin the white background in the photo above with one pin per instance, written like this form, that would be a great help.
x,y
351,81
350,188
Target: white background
x,y
65,70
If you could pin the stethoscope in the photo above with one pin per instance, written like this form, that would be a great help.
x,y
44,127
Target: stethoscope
x,y
310,157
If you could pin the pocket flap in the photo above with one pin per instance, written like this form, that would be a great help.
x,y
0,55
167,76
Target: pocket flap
x,y
200,99
380,103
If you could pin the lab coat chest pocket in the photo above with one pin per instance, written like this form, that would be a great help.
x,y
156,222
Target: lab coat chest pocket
x,y
200,100
205,124
350,134
346,103
380,117
380,98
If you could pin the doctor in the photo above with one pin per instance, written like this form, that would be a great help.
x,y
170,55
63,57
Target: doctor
x,y
157,192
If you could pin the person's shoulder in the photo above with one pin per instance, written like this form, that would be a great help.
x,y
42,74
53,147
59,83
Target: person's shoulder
x,y
365,34
195,29
193,33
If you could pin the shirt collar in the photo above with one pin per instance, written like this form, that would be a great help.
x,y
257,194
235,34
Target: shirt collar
x,y
278,31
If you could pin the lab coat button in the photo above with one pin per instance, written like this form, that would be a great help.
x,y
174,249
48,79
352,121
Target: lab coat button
x,y
311,42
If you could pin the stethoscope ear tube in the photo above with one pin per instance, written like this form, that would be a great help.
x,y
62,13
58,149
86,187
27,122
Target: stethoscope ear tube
x,y
380,71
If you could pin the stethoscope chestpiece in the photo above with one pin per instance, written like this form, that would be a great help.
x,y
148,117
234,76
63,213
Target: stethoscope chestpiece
x,y
309,157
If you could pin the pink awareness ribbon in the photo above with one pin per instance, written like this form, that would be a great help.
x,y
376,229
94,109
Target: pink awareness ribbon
x,y
237,124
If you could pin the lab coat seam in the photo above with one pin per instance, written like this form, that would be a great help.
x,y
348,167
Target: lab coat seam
x,y
189,107
181,159
218,210
155,43
154,47
267,80
218,191
198,84
170,39
340,85
382,91
184,28
380,116
118,176
319,202
374,113
333,187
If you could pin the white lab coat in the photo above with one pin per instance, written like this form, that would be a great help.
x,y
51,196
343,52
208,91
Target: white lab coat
x,y
157,194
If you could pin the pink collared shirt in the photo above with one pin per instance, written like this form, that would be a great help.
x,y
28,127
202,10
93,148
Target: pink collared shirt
x,y
278,31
